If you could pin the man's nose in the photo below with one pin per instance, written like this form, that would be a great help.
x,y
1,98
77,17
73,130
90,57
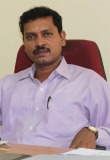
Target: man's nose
x,y
40,41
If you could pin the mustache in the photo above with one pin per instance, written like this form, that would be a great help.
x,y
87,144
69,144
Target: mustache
x,y
39,48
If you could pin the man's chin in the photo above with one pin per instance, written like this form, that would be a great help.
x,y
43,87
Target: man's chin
x,y
43,62
46,61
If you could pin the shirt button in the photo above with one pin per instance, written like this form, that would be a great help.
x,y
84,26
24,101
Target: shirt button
x,y
41,89
30,128
37,109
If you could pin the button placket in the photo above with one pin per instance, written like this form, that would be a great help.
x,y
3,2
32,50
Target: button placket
x,y
37,108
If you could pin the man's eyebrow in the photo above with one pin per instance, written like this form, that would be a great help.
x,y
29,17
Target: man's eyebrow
x,y
46,30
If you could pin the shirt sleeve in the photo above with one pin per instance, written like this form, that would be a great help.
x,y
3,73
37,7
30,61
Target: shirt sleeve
x,y
99,109
103,138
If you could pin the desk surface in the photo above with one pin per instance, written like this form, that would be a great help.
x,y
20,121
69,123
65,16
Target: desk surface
x,y
36,150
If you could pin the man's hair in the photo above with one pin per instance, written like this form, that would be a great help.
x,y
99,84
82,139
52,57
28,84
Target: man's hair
x,y
40,12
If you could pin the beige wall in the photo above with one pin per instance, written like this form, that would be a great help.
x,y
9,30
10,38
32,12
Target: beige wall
x,y
82,19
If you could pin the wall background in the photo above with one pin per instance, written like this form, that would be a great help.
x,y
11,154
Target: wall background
x,y
82,19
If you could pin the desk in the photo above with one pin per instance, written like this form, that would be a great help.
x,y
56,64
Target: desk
x,y
36,150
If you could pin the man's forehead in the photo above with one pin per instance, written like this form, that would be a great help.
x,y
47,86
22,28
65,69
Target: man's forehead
x,y
45,30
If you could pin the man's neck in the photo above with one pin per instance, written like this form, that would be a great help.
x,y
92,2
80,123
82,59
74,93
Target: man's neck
x,y
42,73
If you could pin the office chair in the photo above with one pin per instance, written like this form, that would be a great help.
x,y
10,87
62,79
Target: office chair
x,y
79,52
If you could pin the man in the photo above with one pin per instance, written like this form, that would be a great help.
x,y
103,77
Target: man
x,y
53,103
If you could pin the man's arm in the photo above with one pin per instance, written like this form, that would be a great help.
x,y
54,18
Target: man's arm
x,y
97,110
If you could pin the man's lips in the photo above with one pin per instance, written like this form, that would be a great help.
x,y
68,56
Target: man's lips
x,y
41,52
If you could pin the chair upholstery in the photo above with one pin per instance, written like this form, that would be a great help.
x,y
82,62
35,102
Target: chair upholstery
x,y
79,52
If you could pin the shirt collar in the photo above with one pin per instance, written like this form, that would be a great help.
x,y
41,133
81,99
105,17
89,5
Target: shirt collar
x,y
29,73
62,69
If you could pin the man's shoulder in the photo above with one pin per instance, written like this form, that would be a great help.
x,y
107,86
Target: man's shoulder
x,y
78,69
81,72
14,78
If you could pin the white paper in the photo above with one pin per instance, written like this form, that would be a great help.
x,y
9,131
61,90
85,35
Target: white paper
x,y
88,152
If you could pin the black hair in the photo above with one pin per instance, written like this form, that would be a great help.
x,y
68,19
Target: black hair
x,y
40,12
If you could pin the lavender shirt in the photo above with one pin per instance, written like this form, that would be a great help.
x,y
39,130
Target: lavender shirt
x,y
79,98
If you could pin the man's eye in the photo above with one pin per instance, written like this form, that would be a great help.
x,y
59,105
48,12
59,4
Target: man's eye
x,y
47,34
30,37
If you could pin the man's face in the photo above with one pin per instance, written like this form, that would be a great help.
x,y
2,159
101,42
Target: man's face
x,y
43,35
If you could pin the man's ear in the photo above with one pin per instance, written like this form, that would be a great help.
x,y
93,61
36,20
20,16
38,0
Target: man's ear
x,y
63,36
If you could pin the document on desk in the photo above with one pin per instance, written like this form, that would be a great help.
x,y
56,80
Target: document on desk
x,y
68,157
88,152
77,154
